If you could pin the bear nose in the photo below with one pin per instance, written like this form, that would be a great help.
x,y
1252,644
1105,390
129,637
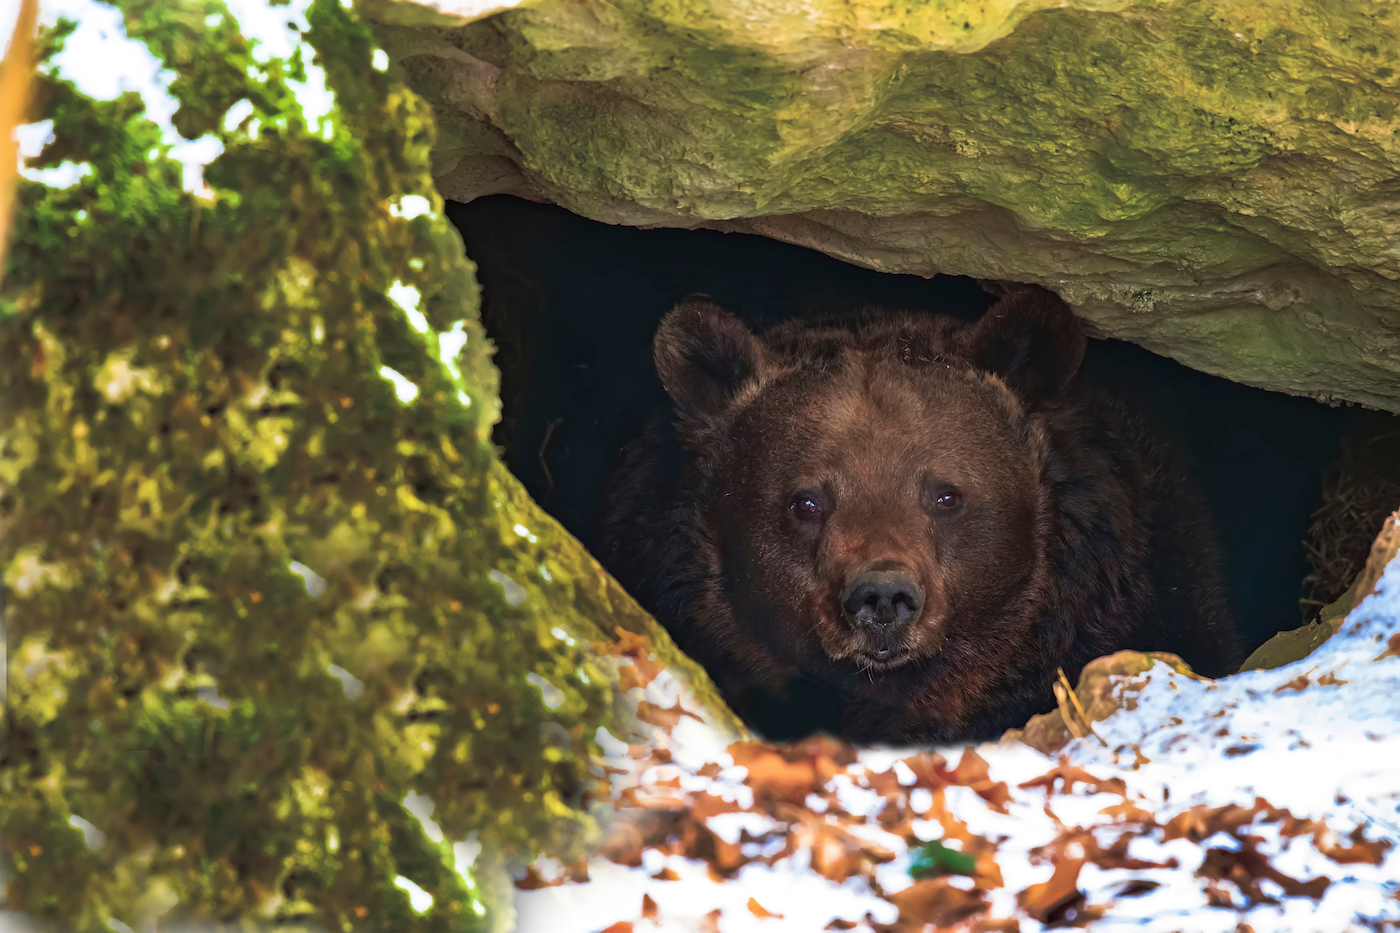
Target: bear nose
x,y
889,599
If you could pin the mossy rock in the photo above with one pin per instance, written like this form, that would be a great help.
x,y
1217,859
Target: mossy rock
x,y
1214,181
264,574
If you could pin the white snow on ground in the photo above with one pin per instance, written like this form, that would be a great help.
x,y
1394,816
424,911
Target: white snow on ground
x,y
1318,738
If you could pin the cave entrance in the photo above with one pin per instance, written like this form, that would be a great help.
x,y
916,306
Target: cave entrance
x,y
572,306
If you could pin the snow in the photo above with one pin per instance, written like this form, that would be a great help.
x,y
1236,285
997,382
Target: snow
x,y
1316,738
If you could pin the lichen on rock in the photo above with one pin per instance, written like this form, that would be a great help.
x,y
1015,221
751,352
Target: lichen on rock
x,y
1213,181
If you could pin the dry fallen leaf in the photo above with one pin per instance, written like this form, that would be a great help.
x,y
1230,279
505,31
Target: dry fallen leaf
x,y
760,912
836,854
934,901
1245,867
663,717
1129,812
972,772
1199,823
533,880
1056,896
1116,855
1331,680
705,805
772,776
629,676
1369,852
927,768
636,648
1068,775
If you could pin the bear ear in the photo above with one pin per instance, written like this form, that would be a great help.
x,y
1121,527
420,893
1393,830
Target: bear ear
x,y
703,355
1031,339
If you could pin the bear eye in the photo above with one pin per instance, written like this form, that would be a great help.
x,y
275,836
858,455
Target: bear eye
x,y
947,499
807,506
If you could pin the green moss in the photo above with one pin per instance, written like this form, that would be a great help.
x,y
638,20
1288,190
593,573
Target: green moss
x,y
1237,159
191,401
934,859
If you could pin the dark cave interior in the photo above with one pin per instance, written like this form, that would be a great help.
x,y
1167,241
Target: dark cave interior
x,y
572,306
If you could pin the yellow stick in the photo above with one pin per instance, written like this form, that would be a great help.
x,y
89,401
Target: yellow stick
x,y
15,77
1074,698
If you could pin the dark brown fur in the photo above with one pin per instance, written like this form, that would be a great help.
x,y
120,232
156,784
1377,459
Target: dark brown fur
x,y
1047,523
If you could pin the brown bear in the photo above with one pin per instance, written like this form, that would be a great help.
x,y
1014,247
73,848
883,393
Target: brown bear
x,y
901,525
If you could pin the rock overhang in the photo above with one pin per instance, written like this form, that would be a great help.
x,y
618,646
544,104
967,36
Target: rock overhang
x,y
1213,181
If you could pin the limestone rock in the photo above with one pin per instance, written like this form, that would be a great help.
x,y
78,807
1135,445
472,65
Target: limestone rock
x,y
1215,181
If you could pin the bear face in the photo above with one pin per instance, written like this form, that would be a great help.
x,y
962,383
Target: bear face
x,y
861,533
927,519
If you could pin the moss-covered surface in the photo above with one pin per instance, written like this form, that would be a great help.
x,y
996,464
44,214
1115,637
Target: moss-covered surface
x,y
1213,180
191,400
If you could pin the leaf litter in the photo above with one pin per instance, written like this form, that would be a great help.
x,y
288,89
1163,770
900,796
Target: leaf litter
x,y
1267,801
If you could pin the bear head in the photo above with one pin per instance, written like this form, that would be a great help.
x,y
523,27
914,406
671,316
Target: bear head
x,y
869,492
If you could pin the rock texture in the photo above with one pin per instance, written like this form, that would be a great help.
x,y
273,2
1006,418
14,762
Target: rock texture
x,y
1215,181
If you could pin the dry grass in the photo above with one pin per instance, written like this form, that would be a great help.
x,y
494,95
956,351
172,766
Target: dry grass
x,y
1362,489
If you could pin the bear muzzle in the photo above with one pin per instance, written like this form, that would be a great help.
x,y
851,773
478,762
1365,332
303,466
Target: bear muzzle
x,y
880,603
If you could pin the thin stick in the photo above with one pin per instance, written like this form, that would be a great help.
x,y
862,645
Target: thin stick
x,y
1074,698
1065,713
544,446
15,76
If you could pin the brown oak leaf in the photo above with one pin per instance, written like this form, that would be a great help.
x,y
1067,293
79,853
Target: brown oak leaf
x,y
663,717
1067,775
1058,899
928,768
973,772
935,901
1363,850
637,648
1246,866
772,776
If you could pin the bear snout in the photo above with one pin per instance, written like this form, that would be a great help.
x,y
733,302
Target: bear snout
x,y
882,601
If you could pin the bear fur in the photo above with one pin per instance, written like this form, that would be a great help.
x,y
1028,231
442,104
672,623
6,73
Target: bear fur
x,y
898,527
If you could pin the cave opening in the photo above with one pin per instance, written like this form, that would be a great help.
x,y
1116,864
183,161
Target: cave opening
x,y
572,306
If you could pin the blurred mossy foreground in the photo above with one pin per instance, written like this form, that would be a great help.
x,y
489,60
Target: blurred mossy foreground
x,y
255,599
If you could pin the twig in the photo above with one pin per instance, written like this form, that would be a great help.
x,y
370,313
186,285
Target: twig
x,y
15,76
544,445
1073,698
1065,713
